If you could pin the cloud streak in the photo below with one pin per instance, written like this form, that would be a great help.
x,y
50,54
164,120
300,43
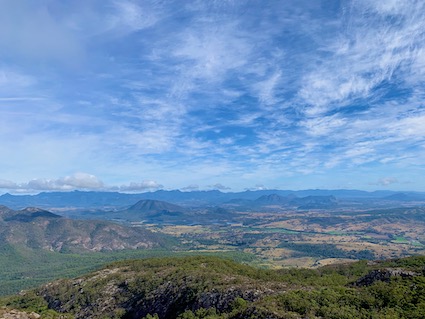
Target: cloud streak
x,y
211,93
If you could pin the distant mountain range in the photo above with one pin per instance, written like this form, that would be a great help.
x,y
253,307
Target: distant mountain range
x,y
115,200
40,229
406,197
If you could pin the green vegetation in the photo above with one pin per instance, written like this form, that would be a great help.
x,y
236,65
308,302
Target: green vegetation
x,y
325,251
211,288
400,240
23,268
33,303
343,233
238,306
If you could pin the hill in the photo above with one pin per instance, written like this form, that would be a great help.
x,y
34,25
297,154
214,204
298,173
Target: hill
x,y
37,246
153,206
274,199
152,211
315,202
406,197
40,229
308,202
28,214
207,287
164,213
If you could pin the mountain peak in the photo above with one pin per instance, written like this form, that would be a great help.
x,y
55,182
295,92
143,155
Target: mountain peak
x,y
152,206
31,213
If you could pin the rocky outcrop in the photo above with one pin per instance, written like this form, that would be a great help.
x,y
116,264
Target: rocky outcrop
x,y
166,299
16,314
223,300
383,275
139,288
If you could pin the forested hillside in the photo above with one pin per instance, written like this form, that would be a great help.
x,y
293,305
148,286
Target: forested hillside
x,y
209,287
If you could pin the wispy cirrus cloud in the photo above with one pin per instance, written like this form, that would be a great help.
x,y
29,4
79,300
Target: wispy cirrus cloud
x,y
207,93
368,52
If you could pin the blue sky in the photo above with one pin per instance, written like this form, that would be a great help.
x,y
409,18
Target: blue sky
x,y
221,94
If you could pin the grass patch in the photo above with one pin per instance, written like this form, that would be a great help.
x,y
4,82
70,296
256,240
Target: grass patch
x,y
400,240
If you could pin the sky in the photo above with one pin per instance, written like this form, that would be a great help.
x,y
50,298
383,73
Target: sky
x,y
141,95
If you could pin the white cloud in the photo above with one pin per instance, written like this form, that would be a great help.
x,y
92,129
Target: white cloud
x,y
191,187
219,186
207,91
257,187
373,46
412,127
386,181
211,51
81,180
143,186
323,126
76,181
5,184
149,141
390,6
267,89
135,15
13,79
